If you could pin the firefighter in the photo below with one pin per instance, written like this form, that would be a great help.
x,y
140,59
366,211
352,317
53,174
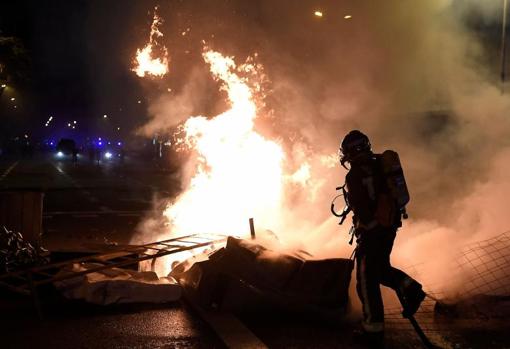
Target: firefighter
x,y
376,220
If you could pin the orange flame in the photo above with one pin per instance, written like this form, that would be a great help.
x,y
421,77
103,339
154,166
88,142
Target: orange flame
x,y
237,172
145,63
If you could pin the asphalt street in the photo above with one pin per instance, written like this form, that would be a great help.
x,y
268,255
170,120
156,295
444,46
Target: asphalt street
x,y
88,202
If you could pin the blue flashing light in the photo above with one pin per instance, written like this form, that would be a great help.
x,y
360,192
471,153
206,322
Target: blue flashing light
x,y
100,143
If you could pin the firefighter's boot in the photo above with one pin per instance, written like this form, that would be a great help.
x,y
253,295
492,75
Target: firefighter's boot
x,y
411,298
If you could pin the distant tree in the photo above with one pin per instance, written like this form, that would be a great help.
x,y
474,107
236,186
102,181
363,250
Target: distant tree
x,y
14,60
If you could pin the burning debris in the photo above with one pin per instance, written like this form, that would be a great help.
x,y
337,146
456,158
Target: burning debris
x,y
145,61
232,161
245,276
16,252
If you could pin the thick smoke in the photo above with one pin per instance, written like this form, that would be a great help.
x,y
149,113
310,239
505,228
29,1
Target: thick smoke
x,y
414,75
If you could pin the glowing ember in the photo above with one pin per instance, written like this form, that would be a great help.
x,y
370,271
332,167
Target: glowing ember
x,y
237,172
145,62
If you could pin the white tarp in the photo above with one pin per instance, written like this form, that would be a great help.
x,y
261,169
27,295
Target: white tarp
x,y
116,285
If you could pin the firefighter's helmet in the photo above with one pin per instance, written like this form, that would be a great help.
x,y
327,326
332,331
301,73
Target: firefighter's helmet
x,y
354,144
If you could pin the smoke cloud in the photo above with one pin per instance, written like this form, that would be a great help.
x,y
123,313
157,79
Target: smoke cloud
x,y
417,77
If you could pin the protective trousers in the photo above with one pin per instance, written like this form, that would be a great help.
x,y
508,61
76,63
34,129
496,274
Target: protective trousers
x,y
373,268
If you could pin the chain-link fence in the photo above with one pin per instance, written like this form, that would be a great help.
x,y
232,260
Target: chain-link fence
x,y
480,273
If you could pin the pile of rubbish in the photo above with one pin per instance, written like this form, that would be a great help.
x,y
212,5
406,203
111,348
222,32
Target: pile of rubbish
x,y
244,276
116,286
17,253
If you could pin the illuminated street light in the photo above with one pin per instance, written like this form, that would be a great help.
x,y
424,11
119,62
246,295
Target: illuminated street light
x,y
318,13
139,102
4,85
13,99
74,122
347,17
105,116
48,121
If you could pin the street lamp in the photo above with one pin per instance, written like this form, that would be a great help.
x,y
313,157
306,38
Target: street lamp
x,y
2,88
503,44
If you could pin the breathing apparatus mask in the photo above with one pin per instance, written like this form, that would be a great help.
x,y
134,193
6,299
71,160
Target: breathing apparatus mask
x,y
354,144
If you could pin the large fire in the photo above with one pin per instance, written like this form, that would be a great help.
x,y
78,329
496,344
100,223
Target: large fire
x,y
145,62
234,173
237,172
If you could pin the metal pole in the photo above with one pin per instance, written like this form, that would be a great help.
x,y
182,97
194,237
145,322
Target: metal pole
x,y
503,44
252,229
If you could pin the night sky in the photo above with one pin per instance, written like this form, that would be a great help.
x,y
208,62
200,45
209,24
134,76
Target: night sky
x,y
80,61
81,54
